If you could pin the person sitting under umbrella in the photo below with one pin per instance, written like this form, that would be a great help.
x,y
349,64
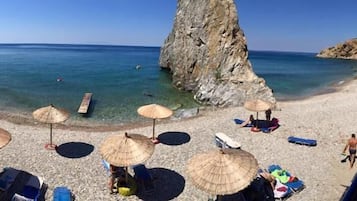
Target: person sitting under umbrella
x,y
250,120
116,173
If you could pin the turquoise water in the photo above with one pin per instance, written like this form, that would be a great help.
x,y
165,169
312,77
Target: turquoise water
x,y
29,74
294,75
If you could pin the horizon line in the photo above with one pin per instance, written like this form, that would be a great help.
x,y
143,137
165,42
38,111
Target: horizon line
x,y
126,45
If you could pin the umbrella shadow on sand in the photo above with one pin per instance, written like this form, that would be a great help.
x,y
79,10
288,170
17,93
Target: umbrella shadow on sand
x,y
174,138
168,185
74,149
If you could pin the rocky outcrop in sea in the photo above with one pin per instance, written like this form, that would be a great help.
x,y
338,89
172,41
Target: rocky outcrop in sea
x,y
345,50
207,54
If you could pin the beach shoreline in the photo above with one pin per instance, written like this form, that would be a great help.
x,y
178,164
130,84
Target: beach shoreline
x,y
25,118
328,118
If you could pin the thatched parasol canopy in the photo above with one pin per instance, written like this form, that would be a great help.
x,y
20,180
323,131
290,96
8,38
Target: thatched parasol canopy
x,y
124,150
224,171
154,111
5,138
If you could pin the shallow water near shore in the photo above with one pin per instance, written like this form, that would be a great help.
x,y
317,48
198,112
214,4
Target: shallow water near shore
x,y
122,78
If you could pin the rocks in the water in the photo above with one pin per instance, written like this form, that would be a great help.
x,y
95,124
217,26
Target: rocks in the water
x,y
346,50
207,54
185,113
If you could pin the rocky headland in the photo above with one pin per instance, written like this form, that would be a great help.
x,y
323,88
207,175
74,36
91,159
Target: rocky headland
x,y
207,54
345,50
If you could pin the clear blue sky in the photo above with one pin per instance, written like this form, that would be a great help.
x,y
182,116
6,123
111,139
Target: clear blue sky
x,y
304,25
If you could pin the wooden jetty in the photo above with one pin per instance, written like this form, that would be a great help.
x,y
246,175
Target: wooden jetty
x,y
83,108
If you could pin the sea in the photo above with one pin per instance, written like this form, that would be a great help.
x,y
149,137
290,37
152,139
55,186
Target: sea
x,y
123,78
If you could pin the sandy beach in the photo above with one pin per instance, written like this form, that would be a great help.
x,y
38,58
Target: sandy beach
x,y
328,118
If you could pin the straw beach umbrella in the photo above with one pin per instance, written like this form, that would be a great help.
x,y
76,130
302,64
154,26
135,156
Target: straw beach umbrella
x,y
50,115
222,172
126,150
5,138
154,111
257,106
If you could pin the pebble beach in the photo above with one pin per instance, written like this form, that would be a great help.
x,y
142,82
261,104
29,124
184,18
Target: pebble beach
x,y
328,118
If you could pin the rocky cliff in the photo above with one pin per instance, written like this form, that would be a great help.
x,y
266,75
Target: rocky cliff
x,y
346,50
207,54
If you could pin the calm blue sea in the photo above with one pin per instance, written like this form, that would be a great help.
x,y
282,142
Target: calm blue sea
x,y
29,73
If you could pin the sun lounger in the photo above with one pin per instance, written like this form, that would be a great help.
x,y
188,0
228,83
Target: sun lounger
x,y
223,141
286,178
239,121
302,141
7,178
62,193
31,190
144,177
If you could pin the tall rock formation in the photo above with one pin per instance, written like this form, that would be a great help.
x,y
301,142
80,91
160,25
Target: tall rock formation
x,y
346,50
207,54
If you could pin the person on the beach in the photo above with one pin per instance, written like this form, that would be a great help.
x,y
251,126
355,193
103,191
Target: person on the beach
x,y
352,146
268,114
113,174
250,120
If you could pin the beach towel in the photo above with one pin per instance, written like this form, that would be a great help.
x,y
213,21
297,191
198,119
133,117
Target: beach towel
x,y
239,121
291,181
302,141
281,191
272,125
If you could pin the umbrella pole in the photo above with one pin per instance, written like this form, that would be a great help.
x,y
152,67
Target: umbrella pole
x,y
256,121
50,134
153,130
126,175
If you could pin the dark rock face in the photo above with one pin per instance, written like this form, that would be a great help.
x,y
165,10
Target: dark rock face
x,y
207,54
346,50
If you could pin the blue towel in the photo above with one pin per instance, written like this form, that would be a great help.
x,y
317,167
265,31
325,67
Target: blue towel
x,y
239,121
302,141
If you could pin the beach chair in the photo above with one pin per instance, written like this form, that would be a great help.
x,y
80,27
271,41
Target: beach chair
x,y
31,190
7,178
292,182
302,141
62,193
142,175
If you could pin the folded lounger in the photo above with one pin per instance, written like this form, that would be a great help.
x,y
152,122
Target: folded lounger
x,y
62,193
286,178
7,178
223,141
239,121
302,141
